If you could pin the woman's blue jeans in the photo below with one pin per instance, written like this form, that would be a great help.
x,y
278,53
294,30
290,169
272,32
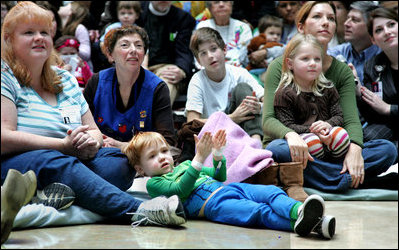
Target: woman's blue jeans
x,y
378,156
99,184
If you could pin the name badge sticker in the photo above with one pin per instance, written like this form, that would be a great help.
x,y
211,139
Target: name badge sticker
x,y
71,115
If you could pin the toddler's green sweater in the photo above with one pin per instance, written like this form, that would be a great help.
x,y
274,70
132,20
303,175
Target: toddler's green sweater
x,y
184,179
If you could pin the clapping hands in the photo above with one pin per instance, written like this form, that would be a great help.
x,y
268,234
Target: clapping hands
x,y
207,143
219,143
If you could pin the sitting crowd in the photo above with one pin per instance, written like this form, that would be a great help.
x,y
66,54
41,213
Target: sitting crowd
x,y
86,86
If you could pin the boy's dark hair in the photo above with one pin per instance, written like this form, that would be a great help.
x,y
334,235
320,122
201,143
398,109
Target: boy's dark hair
x,y
203,35
380,12
135,5
268,21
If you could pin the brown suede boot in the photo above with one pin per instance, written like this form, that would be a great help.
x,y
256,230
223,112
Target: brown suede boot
x,y
267,176
291,177
17,191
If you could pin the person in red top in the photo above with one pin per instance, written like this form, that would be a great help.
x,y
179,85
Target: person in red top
x,y
68,48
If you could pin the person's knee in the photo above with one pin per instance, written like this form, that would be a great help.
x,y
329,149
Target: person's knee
x,y
314,144
276,144
240,91
46,158
173,92
276,190
339,137
390,150
243,87
110,152
280,150
254,126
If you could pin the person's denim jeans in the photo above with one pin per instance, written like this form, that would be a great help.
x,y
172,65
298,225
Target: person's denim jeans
x,y
244,204
99,184
378,156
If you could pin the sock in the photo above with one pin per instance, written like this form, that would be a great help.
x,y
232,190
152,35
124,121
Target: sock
x,y
314,144
294,213
294,210
340,142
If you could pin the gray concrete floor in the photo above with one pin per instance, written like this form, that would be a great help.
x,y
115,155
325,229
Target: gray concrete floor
x,y
360,224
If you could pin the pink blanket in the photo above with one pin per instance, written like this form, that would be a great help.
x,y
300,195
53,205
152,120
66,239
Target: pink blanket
x,y
244,155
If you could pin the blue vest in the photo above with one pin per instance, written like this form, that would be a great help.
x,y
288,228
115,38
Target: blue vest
x,y
122,126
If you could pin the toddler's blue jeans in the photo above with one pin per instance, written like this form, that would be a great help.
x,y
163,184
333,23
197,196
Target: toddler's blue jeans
x,y
243,204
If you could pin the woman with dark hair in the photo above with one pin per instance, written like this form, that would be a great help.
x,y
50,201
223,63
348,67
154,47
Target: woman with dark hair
x,y
57,25
378,98
73,16
361,164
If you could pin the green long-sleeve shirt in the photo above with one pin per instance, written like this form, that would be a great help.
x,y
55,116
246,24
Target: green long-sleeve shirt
x,y
342,77
184,179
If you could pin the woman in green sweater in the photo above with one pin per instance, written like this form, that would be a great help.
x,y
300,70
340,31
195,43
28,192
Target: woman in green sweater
x,y
363,162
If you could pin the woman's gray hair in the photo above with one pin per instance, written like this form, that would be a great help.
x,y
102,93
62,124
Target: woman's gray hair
x,y
365,7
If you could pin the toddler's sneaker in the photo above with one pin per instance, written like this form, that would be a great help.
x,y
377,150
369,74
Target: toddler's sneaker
x,y
56,195
326,227
309,214
160,211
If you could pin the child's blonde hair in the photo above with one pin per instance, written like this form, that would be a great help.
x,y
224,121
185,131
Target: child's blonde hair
x,y
139,142
288,78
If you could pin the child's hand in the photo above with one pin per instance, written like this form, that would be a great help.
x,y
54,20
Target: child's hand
x,y
219,143
67,67
325,138
219,139
204,147
81,62
320,127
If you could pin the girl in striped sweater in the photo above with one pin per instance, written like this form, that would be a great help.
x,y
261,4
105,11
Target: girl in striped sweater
x,y
307,102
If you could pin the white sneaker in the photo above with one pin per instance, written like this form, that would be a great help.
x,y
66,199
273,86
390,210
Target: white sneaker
x,y
326,227
160,211
310,213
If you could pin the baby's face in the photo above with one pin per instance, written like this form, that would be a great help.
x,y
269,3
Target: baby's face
x,y
273,34
68,51
156,160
